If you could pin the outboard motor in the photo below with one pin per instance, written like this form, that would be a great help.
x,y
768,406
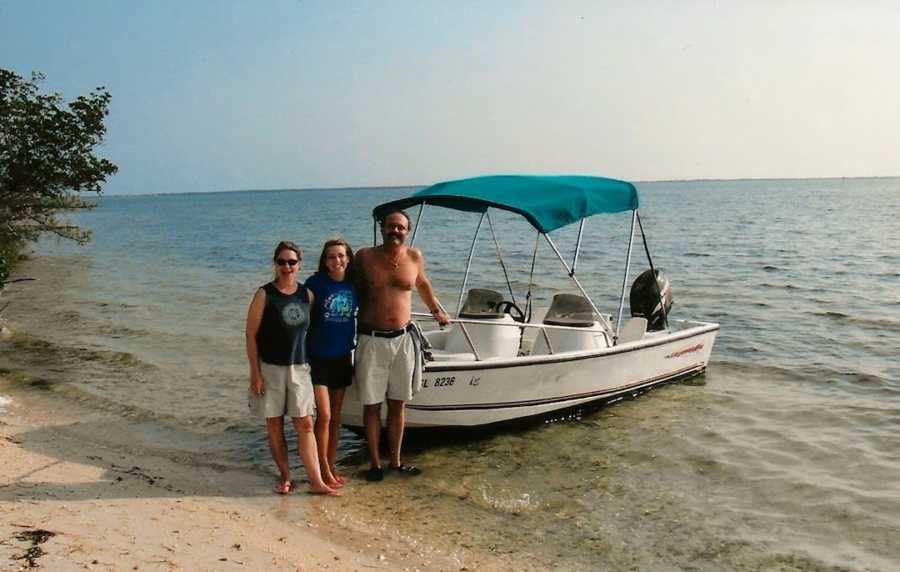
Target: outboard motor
x,y
645,299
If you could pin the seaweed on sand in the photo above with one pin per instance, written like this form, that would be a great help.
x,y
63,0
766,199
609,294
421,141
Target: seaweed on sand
x,y
36,537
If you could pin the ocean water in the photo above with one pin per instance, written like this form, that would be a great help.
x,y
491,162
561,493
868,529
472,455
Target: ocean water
x,y
783,456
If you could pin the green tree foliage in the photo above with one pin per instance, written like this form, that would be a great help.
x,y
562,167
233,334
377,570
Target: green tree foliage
x,y
47,161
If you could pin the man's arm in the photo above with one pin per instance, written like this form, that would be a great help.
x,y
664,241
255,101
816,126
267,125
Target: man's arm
x,y
359,274
426,292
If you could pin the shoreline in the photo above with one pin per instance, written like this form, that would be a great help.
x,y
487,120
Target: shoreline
x,y
69,502
97,477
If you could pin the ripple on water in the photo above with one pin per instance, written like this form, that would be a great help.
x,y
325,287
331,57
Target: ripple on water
x,y
714,473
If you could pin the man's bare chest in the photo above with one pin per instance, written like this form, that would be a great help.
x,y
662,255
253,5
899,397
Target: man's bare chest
x,y
402,278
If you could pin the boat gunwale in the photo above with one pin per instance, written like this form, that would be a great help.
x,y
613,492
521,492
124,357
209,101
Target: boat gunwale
x,y
503,363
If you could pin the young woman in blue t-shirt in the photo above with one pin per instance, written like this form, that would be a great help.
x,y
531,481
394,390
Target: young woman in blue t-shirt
x,y
331,342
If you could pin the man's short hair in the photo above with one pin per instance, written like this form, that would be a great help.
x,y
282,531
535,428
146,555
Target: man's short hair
x,y
395,211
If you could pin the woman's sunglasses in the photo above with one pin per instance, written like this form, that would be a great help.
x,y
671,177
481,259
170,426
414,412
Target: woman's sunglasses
x,y
288,262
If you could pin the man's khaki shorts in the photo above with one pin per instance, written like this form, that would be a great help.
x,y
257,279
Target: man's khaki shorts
x,y
386,367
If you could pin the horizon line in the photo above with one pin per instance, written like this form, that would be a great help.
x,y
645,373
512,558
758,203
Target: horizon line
x,y
374,187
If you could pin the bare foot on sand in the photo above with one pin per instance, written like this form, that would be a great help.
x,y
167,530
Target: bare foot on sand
x,y
323,490
330,480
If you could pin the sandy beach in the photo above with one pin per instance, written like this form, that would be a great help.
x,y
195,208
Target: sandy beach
x,y
73,498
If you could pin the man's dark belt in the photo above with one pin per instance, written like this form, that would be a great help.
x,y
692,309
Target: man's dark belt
x,y
384,333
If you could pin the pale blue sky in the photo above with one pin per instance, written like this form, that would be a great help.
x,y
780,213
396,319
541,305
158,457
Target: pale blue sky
x,y
226,95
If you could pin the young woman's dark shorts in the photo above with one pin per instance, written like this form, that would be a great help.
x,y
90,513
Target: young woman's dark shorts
x,y
332,372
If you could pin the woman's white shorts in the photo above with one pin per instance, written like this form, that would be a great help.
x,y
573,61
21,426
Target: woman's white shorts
x,y
289,391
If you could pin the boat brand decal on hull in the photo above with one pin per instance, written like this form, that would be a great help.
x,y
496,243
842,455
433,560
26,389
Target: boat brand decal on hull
x,y
686,351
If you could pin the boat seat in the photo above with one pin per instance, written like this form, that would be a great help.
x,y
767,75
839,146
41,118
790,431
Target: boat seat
x,y
480,304
633,330
570,310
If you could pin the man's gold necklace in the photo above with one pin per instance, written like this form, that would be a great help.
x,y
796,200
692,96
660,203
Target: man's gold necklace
x,y
395,261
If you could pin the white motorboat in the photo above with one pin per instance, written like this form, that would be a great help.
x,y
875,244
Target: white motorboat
x,y
498,363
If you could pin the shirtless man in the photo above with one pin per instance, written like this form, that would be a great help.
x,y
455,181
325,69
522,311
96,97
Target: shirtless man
x,y
386,351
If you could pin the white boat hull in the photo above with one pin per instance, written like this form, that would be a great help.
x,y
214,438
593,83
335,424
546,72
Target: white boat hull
x,y
477,393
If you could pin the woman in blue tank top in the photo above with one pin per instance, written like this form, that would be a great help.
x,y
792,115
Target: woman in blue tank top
x,y
280,384
331,342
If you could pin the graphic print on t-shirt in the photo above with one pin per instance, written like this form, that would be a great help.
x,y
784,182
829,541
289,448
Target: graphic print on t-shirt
x,y
293,314
338,307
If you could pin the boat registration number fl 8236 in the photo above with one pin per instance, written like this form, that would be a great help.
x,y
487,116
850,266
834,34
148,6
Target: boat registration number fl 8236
x,y
439,382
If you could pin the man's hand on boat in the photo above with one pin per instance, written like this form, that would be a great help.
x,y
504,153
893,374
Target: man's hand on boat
x,y
440,316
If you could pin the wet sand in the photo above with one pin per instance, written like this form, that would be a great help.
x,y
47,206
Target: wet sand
x,y
71,498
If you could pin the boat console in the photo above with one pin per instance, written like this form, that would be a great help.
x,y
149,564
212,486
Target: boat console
x,y
493,336
482,303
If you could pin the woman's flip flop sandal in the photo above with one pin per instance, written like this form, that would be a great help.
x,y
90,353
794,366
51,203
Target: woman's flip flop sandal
x,y
283,488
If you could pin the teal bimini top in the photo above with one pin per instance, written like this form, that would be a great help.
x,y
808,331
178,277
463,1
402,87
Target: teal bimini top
x,y
547,202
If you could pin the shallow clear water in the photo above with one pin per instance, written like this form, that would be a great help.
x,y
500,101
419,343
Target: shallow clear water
x,y
783,456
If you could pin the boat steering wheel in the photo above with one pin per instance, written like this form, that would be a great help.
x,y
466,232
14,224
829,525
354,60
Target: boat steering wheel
x,y
510,307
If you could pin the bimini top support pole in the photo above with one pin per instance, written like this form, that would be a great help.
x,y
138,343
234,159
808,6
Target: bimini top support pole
x,y
462,290
537,241
500,258
662,304
578,245
606,325
625,279
412,240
